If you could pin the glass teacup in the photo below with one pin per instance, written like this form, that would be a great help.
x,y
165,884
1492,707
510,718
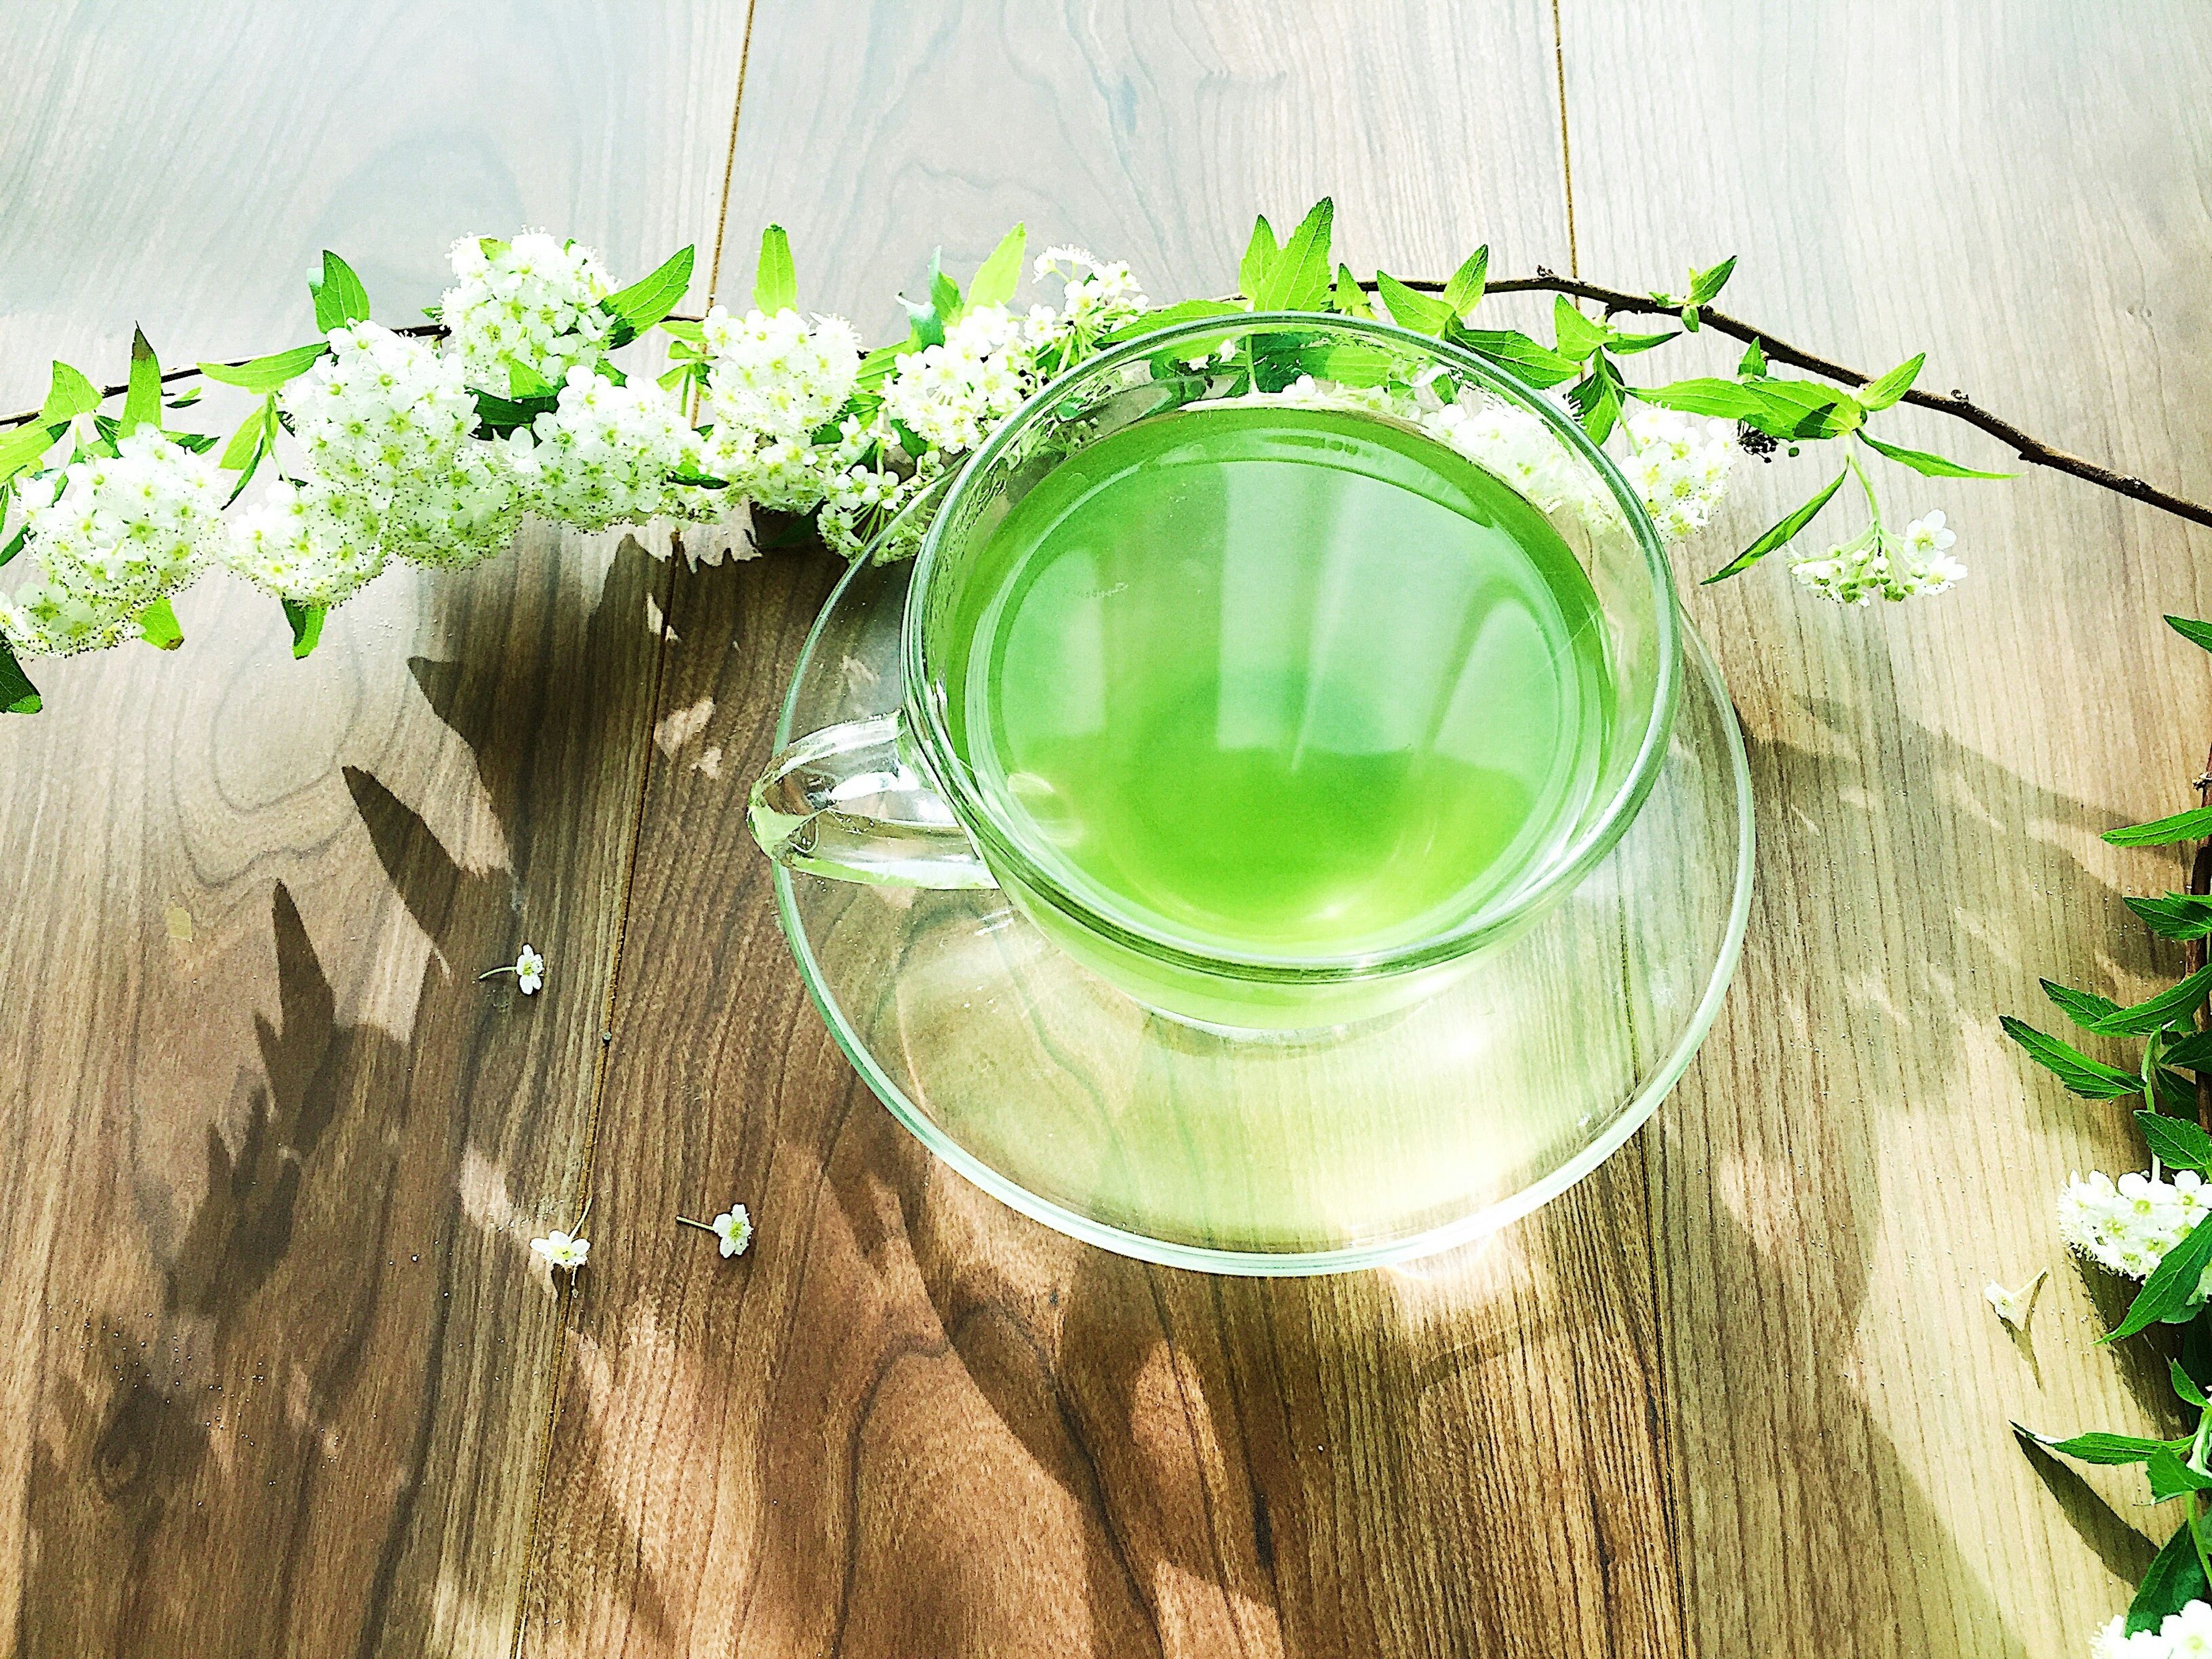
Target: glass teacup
x,y
1273,664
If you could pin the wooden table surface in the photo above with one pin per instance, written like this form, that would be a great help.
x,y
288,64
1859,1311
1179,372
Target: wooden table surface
x,y
283,1376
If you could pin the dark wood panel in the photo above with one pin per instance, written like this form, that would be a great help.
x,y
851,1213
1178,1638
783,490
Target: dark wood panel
x,y
281,1360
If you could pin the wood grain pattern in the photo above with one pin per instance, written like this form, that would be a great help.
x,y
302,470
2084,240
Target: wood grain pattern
x,y
281,1360
907,1421
2016,189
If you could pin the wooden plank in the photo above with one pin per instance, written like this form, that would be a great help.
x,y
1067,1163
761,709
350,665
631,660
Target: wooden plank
x,y
908,1421
2014,190
280,1357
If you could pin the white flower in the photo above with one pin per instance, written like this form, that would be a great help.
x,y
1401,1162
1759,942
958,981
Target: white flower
x,y
532,301
603,456
1875,563
2188,1632
1678,468
953,395
528,971
308,544
1524,452
735,1229
2013,1307
119,532
2127,1226
559,1250
385,422
778,377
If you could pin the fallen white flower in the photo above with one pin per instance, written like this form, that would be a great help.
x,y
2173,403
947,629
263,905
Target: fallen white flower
x,y
2014,1306
562,1250
733,1227
528,969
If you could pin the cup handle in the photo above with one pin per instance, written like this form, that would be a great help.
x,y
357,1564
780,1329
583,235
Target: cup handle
x,y
847,802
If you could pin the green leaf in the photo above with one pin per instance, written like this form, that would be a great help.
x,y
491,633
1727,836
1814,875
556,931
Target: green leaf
x,y
2109,1448
1298,278
2176,1140
1779,535
776,279
2090,1078
944,292
2193,1051
1260,256
699,480
1727,399
1754,360
497,417
2177,916
685,329
877,366
157,625
1424,313
1927,465
69,396
2197,633
2168,1006
2186,1388
1348,299
2084,1008
306,622
2168,1291
1882,392
1805,408
2192,825
1705,285
141,400
1577,335
339,297
1628,345
649,299
2172,1089
1533,362
2175,1579
18,695
25,445
267,374
1464,292
994,282
2171,1478
525,385
1595,400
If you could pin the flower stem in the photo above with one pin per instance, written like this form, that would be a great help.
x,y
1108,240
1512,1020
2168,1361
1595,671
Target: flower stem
x,y
494,973
685,1220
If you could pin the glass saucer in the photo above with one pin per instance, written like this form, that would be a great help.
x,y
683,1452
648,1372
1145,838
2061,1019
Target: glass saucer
x,y
1260,1153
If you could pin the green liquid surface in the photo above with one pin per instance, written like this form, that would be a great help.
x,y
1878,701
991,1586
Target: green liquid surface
x,y
1275,680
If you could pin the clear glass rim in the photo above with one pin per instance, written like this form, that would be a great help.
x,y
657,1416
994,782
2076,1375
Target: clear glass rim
x,y
1268,1264
1004,854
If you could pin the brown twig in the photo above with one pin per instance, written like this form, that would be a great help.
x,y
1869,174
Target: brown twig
x,y
1955,403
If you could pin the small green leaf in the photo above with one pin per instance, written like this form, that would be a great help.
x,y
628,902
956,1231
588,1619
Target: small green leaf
x,y
2193,1051
267,374
1779,535
239,452
944,292
2175,1579
1298,278
339,297
1260,256
142,399
1726,399
2197,633
1885,390
525,385
1629,345
776,279
1464,292
1596,399
2085,1008
2192,825
1348,299
18,695
2176,1140
2168,1006
1577,335
685,329
1927,465
1805,408
2176,916
2171,1478
1690,318
1705,285
994,282
1754,361
649,299
2169,1289
306,623
157,625
877,366
69,396
25,445
2186,1388
497,417
1424,313
2109,1448
2090,1078
1528,360
698,480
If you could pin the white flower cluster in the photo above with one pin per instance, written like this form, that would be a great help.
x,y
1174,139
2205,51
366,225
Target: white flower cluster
x,y
2184,1635
1678,467
772,384
1525,452
1876,564
604,455
532,301
952,395
304,543
120,532
2127,1226
1096,298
